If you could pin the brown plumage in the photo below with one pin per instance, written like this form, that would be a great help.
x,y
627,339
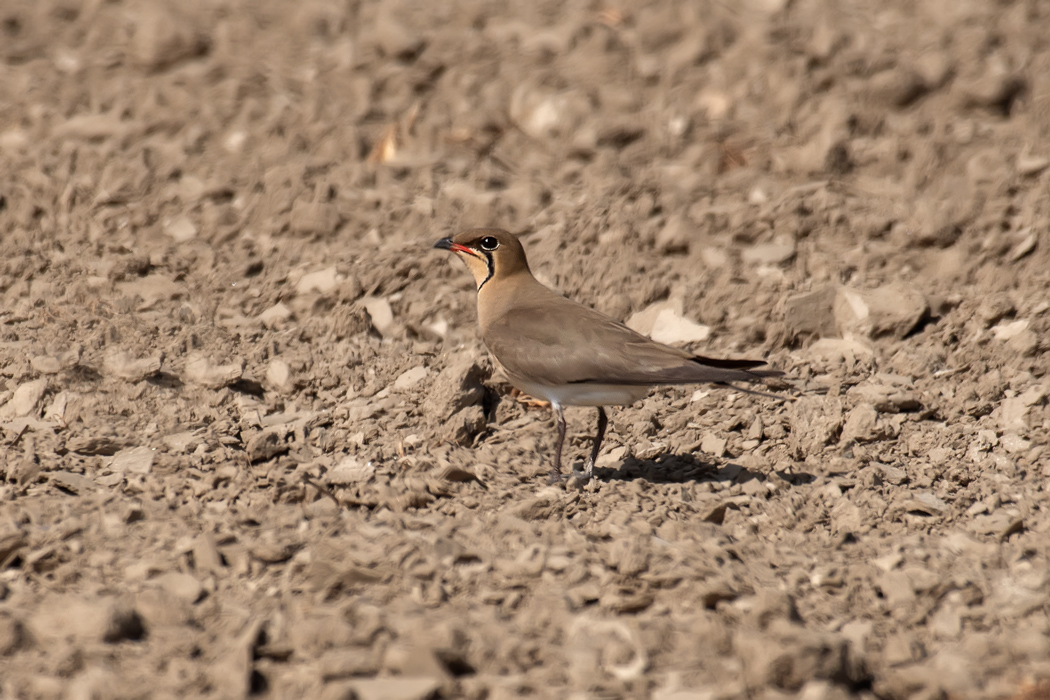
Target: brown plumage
x,y
571,355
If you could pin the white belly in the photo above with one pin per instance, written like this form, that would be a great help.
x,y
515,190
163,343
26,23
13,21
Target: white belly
x,y
585,394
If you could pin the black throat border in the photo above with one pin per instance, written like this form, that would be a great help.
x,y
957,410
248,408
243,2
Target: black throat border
x,y
491,264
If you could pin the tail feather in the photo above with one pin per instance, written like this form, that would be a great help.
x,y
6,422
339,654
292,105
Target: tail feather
x,y
729,364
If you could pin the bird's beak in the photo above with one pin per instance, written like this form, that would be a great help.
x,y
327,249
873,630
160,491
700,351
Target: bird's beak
x,y
448,244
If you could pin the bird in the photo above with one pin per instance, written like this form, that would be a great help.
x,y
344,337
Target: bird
x,y
568,354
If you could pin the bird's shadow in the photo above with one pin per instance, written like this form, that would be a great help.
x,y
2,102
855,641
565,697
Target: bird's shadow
x,y
672,468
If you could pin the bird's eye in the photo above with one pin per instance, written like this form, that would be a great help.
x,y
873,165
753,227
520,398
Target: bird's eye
x,y
489,243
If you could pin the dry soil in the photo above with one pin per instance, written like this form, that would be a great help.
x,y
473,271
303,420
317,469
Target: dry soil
x,y
252,445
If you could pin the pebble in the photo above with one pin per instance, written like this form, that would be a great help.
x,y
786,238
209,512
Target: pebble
x,y
183,586
1029,165
25,400
713,444
133,460
410,378
200,370
349,471
119,363
181,443
861,425
162,39
1013,415
664,323
180,229
275,316
1014,443
279,376
1007,331
886,399
322,281
395,688
892,310
381,315
812,313
769,253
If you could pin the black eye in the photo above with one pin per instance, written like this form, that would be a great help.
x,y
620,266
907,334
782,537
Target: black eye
x,y
489,243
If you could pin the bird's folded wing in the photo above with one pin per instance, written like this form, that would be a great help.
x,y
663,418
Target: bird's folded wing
x,y
531,343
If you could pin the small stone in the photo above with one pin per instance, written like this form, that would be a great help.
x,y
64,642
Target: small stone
x,y
347,662
276,316
161,39
664,323
893,475
123,365
182,586
200,370
314,217
25,399
1033,396
322,281
929,503
1013,415
811,313
1025,246
713,445
394,38
279,376
180,229
714,258
886,399
861,425
181,443
894,310
350,471
1014,443
395,688
769,253
995,307
1008,331
1029,165
381,315
134,460
46,364
266,444
841,351
410,378
206,555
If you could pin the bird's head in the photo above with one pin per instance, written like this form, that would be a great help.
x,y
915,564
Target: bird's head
x,y
490,253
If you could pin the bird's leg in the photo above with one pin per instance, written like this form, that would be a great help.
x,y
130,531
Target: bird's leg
x,y
603,422
559,416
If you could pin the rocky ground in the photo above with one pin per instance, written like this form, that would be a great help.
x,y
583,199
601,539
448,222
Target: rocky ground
x,y
252,444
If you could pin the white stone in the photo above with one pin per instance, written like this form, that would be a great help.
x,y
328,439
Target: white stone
x,y
410,377
322,281
180,229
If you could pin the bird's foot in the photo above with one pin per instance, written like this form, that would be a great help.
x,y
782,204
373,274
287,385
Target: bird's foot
x,y
530,401
556,477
